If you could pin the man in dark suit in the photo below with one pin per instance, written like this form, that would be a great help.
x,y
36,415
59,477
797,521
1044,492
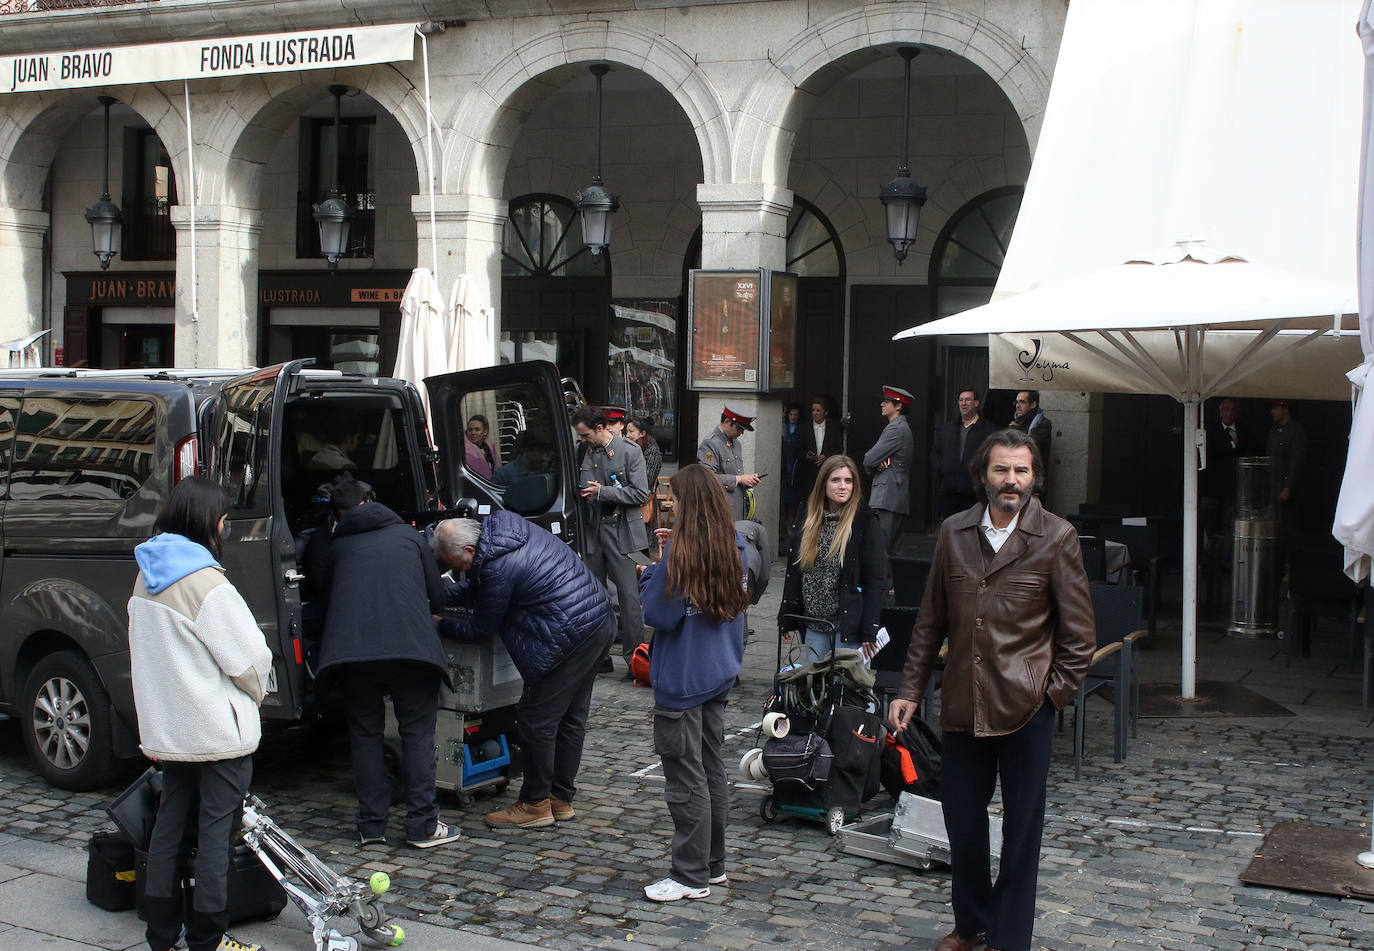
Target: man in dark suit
x,y
956,441
1226,442
819,440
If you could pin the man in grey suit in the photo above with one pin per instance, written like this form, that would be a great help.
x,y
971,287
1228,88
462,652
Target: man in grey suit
x,y
721,453
890,463
614,486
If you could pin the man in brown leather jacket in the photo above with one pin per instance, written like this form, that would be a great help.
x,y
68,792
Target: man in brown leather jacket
x,y
1007,587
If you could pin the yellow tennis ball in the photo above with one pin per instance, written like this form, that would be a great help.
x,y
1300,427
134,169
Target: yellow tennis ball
x,y
400,935
380,882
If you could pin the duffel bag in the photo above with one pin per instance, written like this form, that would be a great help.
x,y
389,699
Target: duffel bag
x,y
803,760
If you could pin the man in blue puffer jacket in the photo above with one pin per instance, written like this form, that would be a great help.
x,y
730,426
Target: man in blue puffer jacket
x,y
556,622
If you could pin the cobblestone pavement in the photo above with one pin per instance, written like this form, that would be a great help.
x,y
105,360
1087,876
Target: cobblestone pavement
x,y
1139,855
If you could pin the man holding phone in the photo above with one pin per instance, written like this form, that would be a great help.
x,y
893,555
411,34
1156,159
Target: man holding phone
x,y
613,487
721,453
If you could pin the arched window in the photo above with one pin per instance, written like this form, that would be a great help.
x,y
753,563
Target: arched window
x,y
544,239
968,254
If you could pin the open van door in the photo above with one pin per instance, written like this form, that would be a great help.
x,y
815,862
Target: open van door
x,y
259,552
529,464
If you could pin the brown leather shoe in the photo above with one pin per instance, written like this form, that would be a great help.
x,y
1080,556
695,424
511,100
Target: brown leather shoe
x,y
522,815
562,811
957,942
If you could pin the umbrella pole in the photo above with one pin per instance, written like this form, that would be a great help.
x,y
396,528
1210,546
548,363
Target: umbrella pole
x,y
1191,435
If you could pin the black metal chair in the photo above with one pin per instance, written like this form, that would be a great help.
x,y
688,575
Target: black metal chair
x,y
1146,564
1117,612
1319,587
888,663
1094,556
909,577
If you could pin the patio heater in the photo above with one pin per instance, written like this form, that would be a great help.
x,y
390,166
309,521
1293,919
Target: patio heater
x,y
1255,567
902,198
333,214
595,203
107,221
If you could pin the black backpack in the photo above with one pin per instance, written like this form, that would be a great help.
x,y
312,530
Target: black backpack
x,y
922,743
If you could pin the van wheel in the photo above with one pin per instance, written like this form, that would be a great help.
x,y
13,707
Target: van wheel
x,y
66,713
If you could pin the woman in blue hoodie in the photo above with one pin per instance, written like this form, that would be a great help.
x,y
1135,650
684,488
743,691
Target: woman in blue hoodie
x,y
695,600
200,666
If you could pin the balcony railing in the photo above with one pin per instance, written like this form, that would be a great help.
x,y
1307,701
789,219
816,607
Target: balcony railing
x,y
148,233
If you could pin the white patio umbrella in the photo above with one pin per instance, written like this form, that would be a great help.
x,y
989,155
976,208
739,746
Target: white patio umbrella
x,y
1225,132
1144,325
423,347
1354,523
471,329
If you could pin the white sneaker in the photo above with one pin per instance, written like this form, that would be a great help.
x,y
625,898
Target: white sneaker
x,y
720,879
669,890
442,835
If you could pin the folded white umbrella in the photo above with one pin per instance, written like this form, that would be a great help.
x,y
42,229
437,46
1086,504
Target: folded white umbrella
x,y
471,329
423,349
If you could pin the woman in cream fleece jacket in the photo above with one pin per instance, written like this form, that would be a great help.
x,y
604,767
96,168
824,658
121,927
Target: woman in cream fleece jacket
x,y
200,667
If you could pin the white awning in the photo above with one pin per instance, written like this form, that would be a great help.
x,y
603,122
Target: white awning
x,y
208,58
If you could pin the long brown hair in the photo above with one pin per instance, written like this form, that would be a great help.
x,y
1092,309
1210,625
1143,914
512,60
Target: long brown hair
x,y
816,507
703,563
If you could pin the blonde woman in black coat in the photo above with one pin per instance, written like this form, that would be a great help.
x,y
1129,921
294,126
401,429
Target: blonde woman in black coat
x,y
836,564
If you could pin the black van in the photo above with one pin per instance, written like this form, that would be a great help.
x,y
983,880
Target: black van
x,y
86,460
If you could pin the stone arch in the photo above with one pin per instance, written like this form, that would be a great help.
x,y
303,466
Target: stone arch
x,y
793,80
493,108
33,129
233,148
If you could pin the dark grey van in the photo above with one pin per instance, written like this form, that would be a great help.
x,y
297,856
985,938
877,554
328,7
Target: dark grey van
x,y
86,461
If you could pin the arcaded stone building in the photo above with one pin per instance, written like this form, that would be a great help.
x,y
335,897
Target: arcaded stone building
x,y
737,134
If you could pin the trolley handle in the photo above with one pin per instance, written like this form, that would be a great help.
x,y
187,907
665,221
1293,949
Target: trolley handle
x,y
801,622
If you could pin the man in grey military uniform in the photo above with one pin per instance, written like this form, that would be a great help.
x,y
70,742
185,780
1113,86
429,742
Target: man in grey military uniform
x,y
890,463
721,453
616,416
614,486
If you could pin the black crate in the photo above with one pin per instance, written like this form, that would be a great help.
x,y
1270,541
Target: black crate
x,y
110,872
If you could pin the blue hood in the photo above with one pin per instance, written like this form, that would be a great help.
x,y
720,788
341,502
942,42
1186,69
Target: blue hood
x,y
165,559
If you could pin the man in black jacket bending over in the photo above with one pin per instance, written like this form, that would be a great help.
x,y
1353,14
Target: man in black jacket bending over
x,y
379,639
555,619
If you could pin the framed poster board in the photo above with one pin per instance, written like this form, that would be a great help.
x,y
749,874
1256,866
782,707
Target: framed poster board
x,y
725,308
742,330
782,331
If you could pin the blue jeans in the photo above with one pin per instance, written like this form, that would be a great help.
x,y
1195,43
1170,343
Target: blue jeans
x,y
820,645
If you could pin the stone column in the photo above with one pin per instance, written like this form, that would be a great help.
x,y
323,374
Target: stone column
x,y
21,273
1075,448
469,230
218,325
745,226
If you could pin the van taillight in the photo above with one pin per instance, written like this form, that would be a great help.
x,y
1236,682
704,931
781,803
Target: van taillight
x,y
187,459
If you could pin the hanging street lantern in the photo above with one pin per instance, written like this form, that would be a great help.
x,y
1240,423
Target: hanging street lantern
x,y
333,215
595,203
106,220
902,197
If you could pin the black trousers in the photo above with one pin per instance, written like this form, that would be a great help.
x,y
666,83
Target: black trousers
x,y
1005,909
414,690
210,794
552,720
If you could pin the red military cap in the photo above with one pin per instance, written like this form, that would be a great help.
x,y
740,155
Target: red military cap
x,y
739,416
897,395
615,414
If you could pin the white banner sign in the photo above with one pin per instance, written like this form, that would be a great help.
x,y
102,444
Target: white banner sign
x,y
205,59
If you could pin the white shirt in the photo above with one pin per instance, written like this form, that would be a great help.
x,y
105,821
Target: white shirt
x,y
819,430
998,536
